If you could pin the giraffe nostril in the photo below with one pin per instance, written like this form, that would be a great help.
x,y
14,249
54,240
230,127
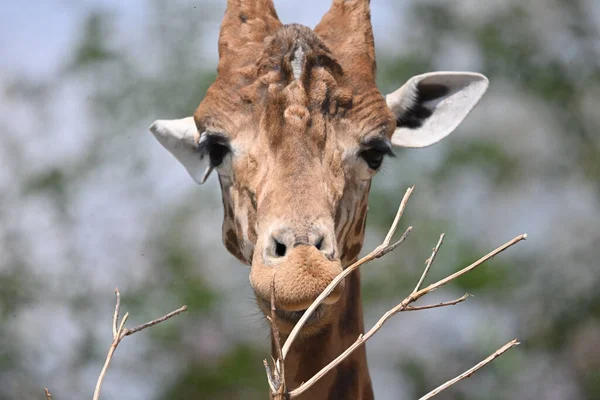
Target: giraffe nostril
x,y
319,243
280,248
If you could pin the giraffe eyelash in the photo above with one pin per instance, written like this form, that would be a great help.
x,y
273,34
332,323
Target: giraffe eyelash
x,y
216,146
207,139
374,151
380,145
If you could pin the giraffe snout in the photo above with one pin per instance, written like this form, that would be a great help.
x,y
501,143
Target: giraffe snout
x,y
280,242
298,269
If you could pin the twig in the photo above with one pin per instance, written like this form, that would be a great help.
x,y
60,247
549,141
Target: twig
x,y
379,251
273,382
414,296
470,268
111,351
47,393
276,379
120,332
429,262
122,329
116,314
273,321
444,304
471,371
384,250
403,203
128,332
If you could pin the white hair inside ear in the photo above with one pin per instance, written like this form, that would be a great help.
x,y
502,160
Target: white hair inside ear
x,y
181,137
430,106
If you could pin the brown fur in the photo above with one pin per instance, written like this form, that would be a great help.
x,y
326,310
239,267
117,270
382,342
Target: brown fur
x,y
295,171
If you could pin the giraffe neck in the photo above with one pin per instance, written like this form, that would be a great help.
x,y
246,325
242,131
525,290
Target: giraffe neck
x,y
350,379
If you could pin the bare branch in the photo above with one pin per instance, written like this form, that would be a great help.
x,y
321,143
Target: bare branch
x,y
111,351
471,371
273,383
116,314
47,393
383,251
438,305
414,296
429,262
128,332
405,305
120,332
470,268
273,320
392,230
276,379
336,281
379,251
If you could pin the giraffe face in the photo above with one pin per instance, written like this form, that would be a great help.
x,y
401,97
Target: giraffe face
x,y
295,128
294,164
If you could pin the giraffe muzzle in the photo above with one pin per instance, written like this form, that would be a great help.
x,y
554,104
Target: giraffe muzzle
x,y
297,279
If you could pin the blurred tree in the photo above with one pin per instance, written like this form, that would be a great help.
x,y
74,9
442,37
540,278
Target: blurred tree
x,y
81,208
515,45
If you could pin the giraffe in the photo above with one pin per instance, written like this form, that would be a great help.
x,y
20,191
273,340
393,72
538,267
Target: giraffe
x,y
296,128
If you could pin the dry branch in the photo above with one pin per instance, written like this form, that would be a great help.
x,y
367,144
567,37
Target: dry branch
x,y
277,377
429,262
471,371
380,251
438,305
47,393
416,294
120,332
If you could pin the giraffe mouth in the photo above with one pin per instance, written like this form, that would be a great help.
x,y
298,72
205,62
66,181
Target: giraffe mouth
x,y
294,316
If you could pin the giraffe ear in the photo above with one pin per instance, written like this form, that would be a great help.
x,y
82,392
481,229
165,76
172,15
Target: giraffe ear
x,y
430,106
181,137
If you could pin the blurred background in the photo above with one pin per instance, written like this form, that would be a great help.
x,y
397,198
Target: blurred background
x,y
90,201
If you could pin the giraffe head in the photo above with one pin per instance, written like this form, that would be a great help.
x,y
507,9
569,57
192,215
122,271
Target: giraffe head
x,y
295,128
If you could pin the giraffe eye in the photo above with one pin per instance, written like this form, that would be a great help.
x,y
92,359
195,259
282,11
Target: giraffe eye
x,y
217,153
215,146
373,157
375,150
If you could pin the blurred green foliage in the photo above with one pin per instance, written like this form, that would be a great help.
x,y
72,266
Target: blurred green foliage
x,y
493,162
93,48
234,377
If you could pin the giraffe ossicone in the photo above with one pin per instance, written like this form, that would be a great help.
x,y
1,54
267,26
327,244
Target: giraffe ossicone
x,y
295,128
